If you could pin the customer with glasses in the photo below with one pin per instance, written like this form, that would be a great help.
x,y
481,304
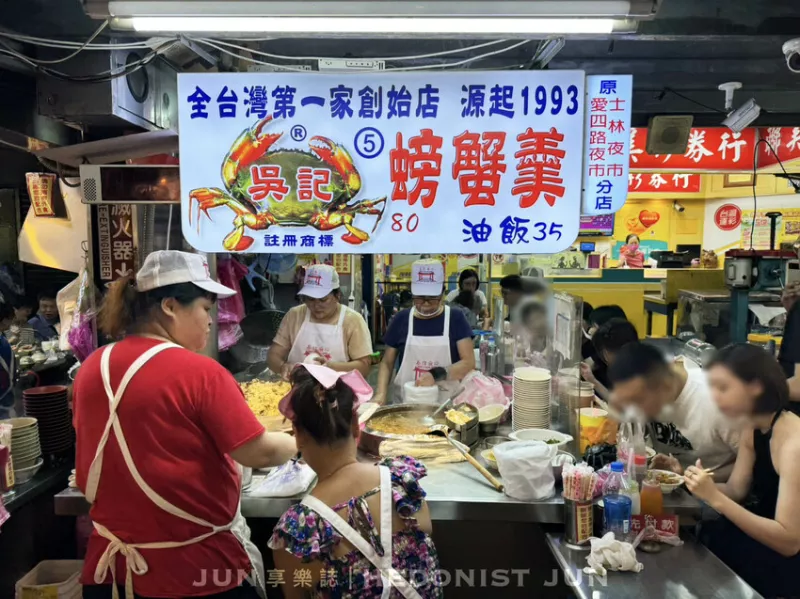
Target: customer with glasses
x,y
322,329
433,342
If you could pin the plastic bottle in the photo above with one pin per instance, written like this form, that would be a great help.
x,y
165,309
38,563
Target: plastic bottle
x,y
632,449
636,501
617,504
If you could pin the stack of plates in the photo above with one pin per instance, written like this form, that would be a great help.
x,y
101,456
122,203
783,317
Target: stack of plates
x,y
531,390
25,446
50,407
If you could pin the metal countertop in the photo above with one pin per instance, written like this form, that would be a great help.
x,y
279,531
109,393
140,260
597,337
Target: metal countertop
x,y
687,572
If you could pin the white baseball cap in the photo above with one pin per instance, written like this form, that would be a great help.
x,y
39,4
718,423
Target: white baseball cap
x,y
170,267
319,281
427,278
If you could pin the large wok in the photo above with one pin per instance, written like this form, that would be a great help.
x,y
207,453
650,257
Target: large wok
x,y
370,440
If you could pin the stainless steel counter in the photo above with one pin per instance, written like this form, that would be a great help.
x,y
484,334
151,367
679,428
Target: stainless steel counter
x,y
455,492
687,572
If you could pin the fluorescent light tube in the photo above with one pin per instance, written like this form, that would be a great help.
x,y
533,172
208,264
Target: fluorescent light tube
x,y
373,25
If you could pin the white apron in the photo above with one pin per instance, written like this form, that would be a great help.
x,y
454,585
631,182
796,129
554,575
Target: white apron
x,y
389,576
421,354
327,340
134,561
9,369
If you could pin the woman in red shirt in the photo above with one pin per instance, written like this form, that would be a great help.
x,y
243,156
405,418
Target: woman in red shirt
x,y
630,255
159,430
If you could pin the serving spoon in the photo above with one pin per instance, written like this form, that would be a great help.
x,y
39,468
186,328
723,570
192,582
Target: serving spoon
x,y
441,429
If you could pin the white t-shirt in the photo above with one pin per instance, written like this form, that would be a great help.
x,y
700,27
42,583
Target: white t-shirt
x,y
693,427
479,296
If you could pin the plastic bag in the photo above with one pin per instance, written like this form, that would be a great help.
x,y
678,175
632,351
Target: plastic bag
x,y
74,308
292,479
526,469
481,390
230,310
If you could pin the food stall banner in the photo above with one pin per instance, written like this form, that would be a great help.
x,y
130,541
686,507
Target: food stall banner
x,y
664,183
607,148
115,241
784,140
461,163
712,149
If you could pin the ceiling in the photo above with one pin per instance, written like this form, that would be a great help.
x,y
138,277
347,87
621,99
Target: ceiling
x,y
691,47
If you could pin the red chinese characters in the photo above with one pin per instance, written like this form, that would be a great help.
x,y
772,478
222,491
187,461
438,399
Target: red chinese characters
x,y
267,180
539,167
312,184
664,183
478,166
422,162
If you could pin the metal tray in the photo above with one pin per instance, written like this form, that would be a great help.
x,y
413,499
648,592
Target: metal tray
x,y
370,440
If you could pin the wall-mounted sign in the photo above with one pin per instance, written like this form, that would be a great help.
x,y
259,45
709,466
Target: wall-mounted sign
x,y
710,149
664,183
609,99
115,241
728,217
486,162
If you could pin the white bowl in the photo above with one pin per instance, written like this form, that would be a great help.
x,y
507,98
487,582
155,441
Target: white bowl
x,y
667,488
538,434
491,413
488,457
23,475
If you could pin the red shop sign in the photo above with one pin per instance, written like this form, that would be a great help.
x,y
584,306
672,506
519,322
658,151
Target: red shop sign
x,y
784,140
728,217
663,183
710,149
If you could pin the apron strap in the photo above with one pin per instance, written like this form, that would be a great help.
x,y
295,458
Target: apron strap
x,y
410,333
386,525
446,329
342,313
388,573
9,368
114,398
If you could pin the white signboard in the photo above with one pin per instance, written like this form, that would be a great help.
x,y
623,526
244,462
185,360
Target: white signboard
x,y
608,143
468,162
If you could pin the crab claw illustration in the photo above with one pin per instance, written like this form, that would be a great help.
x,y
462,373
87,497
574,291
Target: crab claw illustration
x,y
207,198
251,145
336,156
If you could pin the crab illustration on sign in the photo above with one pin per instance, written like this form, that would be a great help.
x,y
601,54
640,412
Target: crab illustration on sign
x,y
262,187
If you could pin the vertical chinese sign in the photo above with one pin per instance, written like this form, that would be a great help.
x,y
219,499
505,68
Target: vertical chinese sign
x,y
115,241
474,162
607,149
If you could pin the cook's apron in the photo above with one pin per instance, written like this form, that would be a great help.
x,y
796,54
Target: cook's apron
x,y
389,576
327,340
422,353
134,561
9,369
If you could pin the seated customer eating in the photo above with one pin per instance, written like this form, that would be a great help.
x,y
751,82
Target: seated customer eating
x,y
608,340
758,535
685,423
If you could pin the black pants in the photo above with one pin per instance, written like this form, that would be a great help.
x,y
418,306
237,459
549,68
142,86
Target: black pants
x,y
103,591
768,572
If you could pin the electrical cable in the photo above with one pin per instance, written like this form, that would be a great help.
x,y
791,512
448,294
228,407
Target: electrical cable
x,y
69,45
80,49
385,58
692,100
95,77
413,68
766,142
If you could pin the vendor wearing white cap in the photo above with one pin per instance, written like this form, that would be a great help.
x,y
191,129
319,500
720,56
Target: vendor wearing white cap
x,y
159,429
433,343
322,329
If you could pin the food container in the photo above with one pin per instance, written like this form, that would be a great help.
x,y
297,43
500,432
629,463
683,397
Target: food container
x,y
489,459
490,442
542,434
23,475
666,487
370,439
578,523
468,432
